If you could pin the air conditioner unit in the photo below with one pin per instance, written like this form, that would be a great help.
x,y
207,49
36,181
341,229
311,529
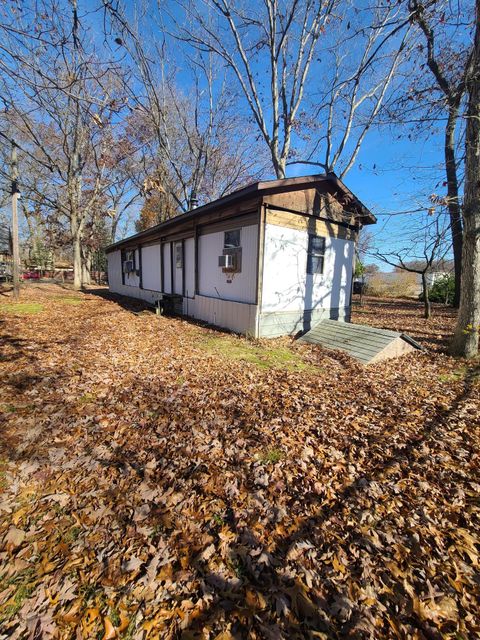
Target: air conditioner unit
x,y
128,266
227,262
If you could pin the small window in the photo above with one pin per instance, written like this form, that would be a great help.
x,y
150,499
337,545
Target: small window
x,y
128,262
316,254
179,255
231,239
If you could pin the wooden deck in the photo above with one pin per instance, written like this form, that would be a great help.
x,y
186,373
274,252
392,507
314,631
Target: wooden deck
x,y
365,344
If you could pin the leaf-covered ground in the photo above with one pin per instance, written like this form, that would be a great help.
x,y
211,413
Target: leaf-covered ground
x,y
164,480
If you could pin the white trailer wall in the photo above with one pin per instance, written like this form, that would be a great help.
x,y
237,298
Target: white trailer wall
x,y
151,268
189,257
292,299
237,287
177,270
167,269
115,284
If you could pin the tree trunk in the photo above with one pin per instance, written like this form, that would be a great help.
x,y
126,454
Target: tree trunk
x,y
77,261
426,300
86,267
454,208
279,164
465,341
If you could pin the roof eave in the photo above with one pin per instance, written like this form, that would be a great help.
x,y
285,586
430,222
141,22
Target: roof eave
x,y
252,190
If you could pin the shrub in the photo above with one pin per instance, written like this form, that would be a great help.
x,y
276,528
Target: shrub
x,y
401,284
443,289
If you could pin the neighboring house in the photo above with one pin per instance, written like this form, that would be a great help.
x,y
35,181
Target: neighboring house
x,y
268,260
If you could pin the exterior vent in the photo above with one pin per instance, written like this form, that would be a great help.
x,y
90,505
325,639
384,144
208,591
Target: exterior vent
x,y
227,262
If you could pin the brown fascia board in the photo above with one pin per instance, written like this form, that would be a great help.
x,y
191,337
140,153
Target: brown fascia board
x,y
251,191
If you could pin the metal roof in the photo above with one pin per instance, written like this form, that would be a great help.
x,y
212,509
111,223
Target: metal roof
x,y
257,189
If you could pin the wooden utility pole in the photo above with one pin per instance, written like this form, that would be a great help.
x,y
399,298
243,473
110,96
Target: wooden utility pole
x,y
16,248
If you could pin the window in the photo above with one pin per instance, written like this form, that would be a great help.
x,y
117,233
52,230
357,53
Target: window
x,y
231,239
179,255
316,254
129,261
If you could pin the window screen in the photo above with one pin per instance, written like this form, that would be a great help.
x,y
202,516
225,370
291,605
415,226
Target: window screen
x,y
316,254
231,239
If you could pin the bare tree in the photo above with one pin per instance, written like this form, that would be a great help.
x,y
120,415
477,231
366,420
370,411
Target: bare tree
x,y
465,342
193,140
445,49
65,111
359,67
347,58
423,246
275,41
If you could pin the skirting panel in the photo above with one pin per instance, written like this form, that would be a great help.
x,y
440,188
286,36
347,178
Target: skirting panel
x,y
136,292
225,314
235,316
281,323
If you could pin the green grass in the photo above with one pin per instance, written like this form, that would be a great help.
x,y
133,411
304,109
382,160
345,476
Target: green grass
x,y
471,373
272,456
275,357
69,300
115,617
11,408
87,398
217,519
72,534
22,308
24,587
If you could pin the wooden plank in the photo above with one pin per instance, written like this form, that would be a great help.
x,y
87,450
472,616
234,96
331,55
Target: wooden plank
x,y
309,200
309,224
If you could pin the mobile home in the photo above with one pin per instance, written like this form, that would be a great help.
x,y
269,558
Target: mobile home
x,y
270,259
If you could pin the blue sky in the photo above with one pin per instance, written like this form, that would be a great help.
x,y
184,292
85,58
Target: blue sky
x,y
391,174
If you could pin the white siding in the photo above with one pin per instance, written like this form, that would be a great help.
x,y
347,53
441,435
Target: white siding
x,y
151,269
239,287
167,275
189,258
114,260
177,271
286,285
115,281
